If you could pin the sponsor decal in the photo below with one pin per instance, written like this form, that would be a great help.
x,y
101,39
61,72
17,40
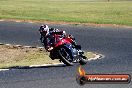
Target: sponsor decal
x,y
83,78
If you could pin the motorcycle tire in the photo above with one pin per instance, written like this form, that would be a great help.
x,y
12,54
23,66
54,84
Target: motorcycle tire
x,y
62,53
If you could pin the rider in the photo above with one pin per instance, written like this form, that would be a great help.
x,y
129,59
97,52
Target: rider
x,y
48,40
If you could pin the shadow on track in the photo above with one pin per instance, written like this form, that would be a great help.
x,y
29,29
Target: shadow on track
x,y
31,67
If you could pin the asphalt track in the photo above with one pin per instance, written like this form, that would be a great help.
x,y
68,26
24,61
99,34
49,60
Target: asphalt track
x,y
114,43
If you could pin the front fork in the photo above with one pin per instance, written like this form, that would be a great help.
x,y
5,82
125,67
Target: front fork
x,y
70,48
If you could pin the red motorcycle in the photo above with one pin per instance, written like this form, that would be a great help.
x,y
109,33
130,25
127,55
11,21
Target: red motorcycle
x,y
65,51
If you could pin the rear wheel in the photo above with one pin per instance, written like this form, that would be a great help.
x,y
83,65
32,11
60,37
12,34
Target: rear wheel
x,y
65,56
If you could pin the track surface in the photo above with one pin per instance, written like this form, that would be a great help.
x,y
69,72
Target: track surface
x,y
114,43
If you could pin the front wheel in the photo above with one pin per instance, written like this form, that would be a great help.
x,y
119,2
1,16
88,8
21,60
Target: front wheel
x,y
65,56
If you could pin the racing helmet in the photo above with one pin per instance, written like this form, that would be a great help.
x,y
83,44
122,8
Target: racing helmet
x,y
44,29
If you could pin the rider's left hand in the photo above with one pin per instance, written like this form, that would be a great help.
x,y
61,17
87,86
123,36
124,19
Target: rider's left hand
x,y
51,48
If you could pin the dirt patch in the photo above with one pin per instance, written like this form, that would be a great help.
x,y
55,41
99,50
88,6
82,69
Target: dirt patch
x,y
20,56
14,54
67,23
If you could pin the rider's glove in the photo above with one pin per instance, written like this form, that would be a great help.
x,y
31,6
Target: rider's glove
x,y
49,48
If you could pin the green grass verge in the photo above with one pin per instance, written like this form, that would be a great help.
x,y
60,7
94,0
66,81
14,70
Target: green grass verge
x,y
83,11
13,56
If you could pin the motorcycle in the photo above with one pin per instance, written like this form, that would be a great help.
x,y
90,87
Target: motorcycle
x,y
65,51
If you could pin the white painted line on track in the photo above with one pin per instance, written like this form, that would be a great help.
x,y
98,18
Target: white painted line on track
x,y
18,45
27,46
4,69
55,64
40,47
8,44
96,57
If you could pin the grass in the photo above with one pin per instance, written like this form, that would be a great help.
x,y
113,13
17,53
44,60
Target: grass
x,y
12,56
82,11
